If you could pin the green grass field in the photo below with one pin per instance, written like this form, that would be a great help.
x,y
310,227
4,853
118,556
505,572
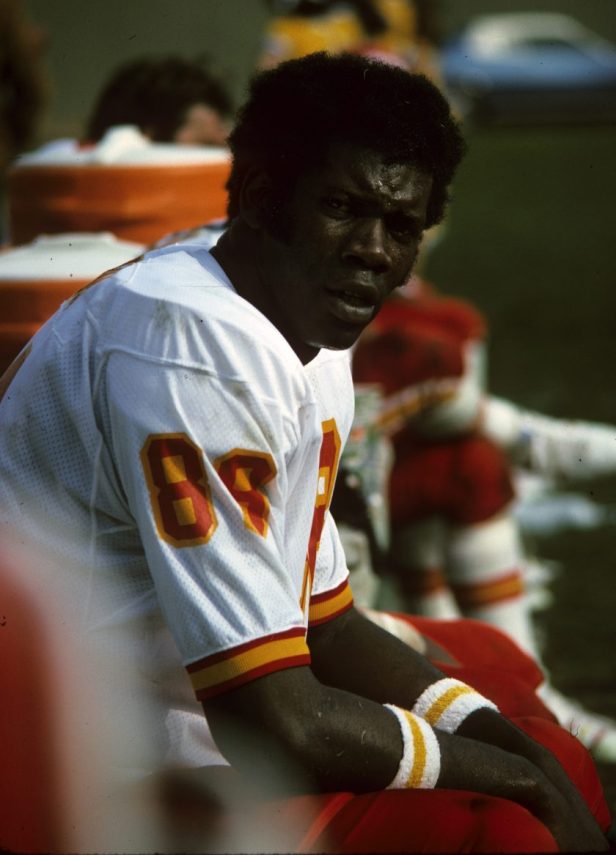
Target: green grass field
x,y
531,239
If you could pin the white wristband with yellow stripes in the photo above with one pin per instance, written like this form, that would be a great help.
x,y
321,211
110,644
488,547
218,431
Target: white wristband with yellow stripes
x,y
447,702
420,764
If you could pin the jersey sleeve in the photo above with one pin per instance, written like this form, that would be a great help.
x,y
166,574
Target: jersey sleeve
x,y
205,465
331,591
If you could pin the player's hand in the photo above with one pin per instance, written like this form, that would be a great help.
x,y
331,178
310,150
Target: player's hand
x,y
579,819
559,804
472,765
573,826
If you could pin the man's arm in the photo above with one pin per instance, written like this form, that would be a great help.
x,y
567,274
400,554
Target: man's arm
x,y
389,674
325,729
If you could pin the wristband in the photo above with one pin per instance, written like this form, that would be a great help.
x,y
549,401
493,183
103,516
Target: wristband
x,y
446,703
420,764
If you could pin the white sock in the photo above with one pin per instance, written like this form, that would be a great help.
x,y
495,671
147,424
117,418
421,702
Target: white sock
x,y
597,732
484,566
417,555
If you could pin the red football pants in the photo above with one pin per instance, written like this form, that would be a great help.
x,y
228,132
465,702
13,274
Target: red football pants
x,y
465,479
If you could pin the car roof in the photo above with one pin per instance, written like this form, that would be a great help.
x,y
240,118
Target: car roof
x,y
490,34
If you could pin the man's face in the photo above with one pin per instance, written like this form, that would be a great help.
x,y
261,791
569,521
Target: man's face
x,y
354,229
202,125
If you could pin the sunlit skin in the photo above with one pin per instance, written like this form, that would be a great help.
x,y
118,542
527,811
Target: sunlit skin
x,y
354,228
202,125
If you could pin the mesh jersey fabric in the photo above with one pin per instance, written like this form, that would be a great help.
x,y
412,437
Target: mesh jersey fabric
x,y
162,438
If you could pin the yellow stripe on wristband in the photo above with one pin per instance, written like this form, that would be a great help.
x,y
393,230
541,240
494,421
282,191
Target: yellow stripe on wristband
x,y
438,707
420,764
419,752
446,703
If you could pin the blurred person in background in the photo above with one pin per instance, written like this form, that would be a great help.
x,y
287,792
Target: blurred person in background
x,y
170,99
403,32
155,162
147,102
456,547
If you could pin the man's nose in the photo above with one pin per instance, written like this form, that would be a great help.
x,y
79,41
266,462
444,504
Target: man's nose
x,y
367,245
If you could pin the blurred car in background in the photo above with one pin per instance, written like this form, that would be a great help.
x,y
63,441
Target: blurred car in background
x,y
530,67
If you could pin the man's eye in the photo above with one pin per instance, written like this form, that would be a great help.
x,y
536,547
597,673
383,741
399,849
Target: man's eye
x,y
404,227
333,204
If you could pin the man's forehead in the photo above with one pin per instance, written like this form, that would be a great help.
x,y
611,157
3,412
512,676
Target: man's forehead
x,y
362,169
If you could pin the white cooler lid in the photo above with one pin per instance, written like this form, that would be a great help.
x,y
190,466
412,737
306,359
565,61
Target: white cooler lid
x,y
122,145
78,255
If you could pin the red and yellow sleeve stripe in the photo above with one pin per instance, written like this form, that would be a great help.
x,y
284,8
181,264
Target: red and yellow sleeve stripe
x,y
220,672
330,604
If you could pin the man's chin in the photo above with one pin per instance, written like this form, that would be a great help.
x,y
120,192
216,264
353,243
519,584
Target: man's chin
x,y
337,346
338,342
344,340
338,339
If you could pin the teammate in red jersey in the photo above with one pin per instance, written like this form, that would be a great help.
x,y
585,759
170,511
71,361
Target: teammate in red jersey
x,y
456,546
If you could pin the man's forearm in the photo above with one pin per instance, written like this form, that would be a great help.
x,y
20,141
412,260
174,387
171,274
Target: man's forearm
x,y
346,742
292,732
487,754
354,654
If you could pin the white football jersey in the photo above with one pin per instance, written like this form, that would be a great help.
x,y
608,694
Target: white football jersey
x,y
161,436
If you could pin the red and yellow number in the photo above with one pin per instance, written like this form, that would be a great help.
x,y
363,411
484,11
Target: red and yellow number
x,y
244,474
328,467
176,477
179,491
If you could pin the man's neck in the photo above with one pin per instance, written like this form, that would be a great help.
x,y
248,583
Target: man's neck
x,y
238,253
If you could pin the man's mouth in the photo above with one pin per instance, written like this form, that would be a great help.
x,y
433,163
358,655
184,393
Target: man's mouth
x,y
353,305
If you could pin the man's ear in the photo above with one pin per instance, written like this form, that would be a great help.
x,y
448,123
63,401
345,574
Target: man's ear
x,y
255,199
